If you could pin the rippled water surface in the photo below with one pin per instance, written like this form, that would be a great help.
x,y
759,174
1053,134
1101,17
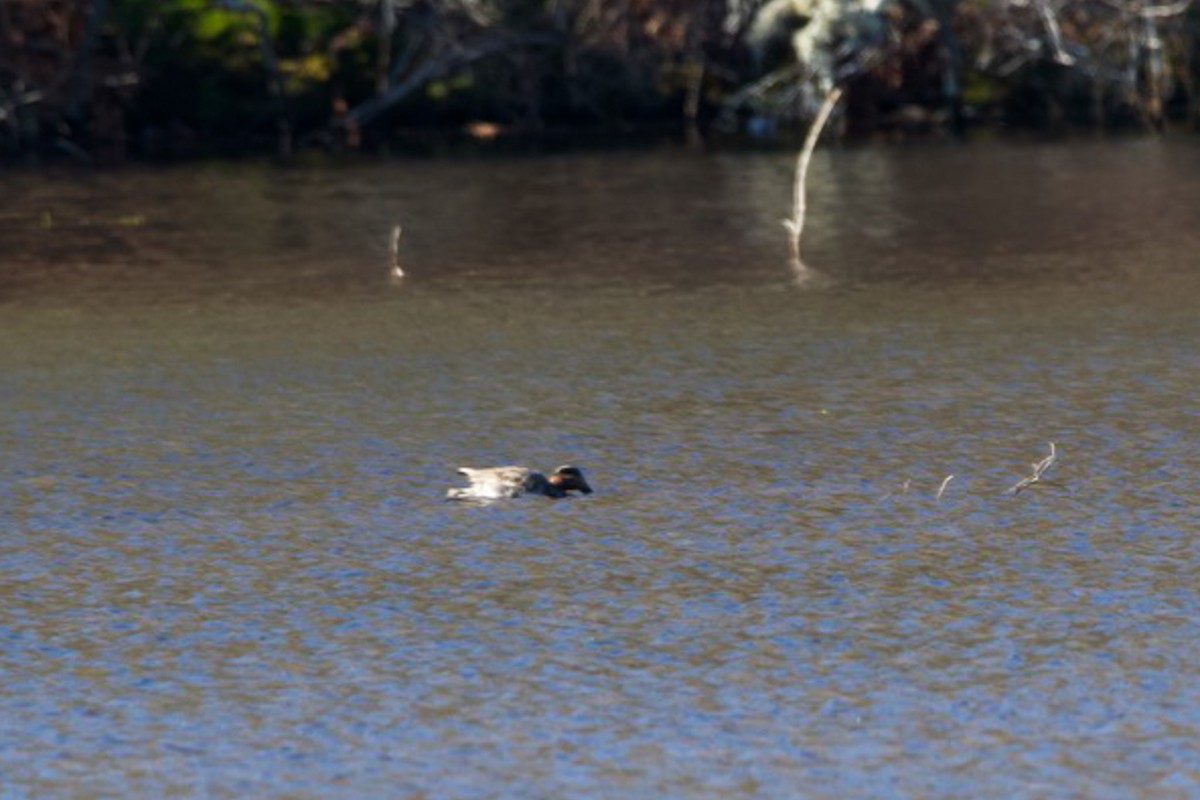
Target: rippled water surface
x,y
227,570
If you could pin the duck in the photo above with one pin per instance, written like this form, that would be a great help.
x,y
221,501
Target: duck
x,y
498,483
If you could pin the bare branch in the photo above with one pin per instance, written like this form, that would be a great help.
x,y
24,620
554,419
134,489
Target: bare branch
x,y
795,224
457,57
1166,11
1051,22
1039,468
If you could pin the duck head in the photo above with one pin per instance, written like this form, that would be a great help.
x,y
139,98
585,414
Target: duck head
x,y
568,478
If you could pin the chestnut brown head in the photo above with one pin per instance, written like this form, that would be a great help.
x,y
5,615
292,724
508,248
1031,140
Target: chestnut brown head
x,y
568,478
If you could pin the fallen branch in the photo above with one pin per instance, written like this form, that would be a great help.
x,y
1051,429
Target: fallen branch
x,y
1039,468
795,224
1055,32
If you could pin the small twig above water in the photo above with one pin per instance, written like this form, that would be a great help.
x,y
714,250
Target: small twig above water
x,y
394,249
942,489
1039,469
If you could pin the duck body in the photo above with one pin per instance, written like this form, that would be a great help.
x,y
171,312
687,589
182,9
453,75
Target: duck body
x,y
501,483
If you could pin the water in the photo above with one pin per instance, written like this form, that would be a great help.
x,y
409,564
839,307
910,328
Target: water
x,y
228,570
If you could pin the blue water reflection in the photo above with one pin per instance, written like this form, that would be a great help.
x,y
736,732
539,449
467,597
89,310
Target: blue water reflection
x,y
228,570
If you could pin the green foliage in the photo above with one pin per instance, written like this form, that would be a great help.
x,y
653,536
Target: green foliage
x,y
981,90
210,23
135,15
209,71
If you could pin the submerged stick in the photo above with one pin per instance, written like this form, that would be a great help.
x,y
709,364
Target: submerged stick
x,y
795,224
903,490
1039,468
394,249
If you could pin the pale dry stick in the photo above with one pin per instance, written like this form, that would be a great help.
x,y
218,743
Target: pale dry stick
x,y
1166,11
1052,28
942,489
795,225
394,249
1039,468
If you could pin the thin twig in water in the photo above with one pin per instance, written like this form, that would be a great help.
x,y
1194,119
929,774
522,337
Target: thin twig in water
x,y
1039,468
942,488
903,490
394,248
795,224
